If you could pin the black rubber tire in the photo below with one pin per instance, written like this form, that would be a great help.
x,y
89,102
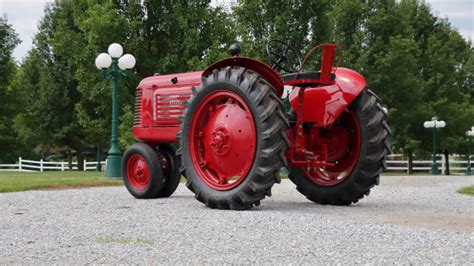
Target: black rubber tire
x,y
374,133
270,124
174,176
156,183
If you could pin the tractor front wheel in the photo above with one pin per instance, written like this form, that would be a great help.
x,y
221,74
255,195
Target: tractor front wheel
x,y
142,171
233,139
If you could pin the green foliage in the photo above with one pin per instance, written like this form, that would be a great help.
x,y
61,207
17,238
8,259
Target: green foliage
x,y
9,147
416,62
8,41
301,23
71,103
48,87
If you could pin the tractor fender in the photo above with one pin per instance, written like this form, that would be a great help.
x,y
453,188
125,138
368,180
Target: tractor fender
x,y
263,69
322,105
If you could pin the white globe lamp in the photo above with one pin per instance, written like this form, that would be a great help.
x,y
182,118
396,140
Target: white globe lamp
x,y
103,60
126,62
115,50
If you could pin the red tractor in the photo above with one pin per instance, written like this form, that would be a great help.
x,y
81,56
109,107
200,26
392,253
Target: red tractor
x,y
237,126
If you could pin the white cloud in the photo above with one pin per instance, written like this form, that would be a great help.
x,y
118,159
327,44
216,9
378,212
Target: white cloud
x,y
459,12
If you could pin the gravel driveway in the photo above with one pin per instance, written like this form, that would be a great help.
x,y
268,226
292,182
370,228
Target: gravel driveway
x,y
405,220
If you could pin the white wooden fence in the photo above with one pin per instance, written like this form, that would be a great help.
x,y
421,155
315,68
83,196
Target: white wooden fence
x,y
41,166
395,163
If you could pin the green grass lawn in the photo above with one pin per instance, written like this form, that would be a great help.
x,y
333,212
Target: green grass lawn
x,y
467,190
14,181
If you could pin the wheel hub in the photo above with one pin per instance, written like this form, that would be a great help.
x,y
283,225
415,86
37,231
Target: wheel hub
x,y
343,138
221,140
138,172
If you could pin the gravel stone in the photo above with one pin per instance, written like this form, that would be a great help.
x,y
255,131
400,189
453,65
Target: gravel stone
x,y
407,219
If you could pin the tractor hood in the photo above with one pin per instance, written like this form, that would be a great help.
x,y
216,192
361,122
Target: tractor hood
x,y
172,80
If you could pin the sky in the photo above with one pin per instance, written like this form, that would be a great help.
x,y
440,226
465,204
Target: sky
x,y
24,16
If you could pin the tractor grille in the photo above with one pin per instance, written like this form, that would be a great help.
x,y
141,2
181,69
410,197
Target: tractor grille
x,y
168,107
137,118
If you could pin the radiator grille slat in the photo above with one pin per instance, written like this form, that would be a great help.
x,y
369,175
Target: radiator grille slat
x,y
137,117
168,107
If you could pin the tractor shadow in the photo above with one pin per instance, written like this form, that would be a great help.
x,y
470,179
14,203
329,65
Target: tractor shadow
x,y
311,207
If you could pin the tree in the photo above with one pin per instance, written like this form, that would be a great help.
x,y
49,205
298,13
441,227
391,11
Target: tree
x,y
49,88
70,108
164,36
390,62
448,80
301,23
8,104
415,61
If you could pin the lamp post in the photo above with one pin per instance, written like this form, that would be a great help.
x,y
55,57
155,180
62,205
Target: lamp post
x,y
469,135
435,125
120,66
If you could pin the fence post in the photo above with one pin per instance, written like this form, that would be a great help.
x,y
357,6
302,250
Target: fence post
x,y
41,165
85,165
20,168
62,166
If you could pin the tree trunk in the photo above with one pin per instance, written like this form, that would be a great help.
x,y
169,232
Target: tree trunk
x,y
446,160
410,162
80,161
69,159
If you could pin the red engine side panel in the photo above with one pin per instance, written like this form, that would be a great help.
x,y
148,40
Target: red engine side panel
x,y
322,105
159,103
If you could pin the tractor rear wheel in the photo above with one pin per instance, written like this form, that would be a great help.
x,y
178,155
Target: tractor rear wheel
x,y
142,171
170,165
357,144
233,139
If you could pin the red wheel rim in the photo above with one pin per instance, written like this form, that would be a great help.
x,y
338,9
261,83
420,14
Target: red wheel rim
x,y
222,140
343,141
138,173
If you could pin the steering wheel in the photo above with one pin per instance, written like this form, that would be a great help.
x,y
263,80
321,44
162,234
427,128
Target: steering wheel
x,y
283,56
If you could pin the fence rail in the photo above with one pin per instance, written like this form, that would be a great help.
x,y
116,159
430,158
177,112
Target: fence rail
x,y
395,163
41,166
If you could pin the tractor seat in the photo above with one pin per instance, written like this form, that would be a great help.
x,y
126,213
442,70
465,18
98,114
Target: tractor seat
x,y
304,78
